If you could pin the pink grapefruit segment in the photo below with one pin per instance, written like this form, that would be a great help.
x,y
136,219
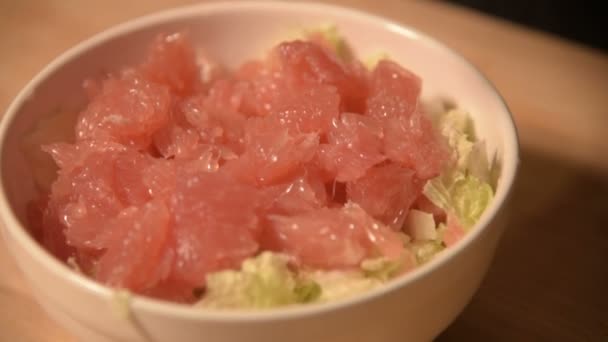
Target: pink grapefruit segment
x,y
386,192
178,171
334,238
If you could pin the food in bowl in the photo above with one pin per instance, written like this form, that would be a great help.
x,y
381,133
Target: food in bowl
x,y
305,176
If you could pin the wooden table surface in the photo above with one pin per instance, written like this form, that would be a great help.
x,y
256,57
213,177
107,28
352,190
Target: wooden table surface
x,y
549,281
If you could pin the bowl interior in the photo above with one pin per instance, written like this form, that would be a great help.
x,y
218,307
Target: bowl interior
x,y
232,33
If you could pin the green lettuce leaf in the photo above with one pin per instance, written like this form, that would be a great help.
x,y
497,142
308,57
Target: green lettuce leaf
x,y
263,282
426,250
478,165
463,190
467,197
456,127
337,285
381,268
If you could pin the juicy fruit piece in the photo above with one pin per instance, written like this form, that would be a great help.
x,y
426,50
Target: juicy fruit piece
x,y
414,143
311,110
334,238
259,87
303,194
216,116
129,170
409,136
171,178
303,62
176,141
354,145
216,226
83,196
128,110
272,155
394,91
452,232
301,69
172,61
386,192
211,120
134,242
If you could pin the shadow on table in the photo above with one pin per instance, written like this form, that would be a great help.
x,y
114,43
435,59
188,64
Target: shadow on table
x,y
549,280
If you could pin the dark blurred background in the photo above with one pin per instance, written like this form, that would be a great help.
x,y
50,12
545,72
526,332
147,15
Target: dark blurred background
x,y
581,21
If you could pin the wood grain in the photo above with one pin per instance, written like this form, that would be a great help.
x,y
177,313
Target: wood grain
x,y
549,279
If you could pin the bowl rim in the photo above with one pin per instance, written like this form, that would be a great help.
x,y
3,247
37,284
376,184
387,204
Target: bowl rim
x,y
136,303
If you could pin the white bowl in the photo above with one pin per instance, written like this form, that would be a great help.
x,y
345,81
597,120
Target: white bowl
x,y
416,307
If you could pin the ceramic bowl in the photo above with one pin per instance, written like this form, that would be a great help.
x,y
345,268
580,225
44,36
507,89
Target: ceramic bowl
x,y
415,307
